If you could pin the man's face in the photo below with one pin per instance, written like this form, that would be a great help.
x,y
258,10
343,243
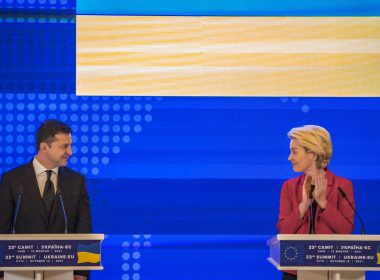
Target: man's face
x,y
59,151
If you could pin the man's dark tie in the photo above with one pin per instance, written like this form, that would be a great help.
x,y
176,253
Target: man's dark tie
x,y
49,192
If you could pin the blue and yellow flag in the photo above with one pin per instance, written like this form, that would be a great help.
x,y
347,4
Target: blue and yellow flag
x,y
89,253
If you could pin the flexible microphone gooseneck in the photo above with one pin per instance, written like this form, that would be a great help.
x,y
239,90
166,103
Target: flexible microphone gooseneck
x,y
59,193
19,195
312,229
343,194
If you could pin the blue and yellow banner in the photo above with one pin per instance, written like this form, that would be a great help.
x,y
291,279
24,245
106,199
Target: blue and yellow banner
x,y
89,253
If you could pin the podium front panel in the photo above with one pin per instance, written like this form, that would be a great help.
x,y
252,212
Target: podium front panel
x,y
50,252
325,252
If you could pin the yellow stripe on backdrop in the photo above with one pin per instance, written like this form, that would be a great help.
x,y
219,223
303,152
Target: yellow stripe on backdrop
x,y
228,56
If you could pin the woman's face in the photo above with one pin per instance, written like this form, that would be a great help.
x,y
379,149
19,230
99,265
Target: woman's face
x,y
301,160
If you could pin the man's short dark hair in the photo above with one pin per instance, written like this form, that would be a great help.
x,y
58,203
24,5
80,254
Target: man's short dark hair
x,y
47,131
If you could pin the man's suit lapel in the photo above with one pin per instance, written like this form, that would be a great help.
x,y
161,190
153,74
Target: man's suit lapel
x,y
63,182
31,181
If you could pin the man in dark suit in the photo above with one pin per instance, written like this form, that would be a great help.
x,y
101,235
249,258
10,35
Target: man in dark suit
x,y
39,181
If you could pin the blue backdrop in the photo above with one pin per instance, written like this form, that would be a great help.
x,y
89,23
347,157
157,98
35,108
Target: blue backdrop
x,y
184,188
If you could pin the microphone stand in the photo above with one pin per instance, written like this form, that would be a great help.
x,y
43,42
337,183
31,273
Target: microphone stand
x,y
19,193
312,229
59,193
343,194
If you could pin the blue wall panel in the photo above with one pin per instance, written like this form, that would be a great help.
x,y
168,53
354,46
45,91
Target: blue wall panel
x,y
184,188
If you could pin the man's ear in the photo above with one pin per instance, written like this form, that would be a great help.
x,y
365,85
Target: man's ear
x,y
43,146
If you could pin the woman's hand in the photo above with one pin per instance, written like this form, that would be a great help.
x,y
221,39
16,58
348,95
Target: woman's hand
x,y
320,191
305,203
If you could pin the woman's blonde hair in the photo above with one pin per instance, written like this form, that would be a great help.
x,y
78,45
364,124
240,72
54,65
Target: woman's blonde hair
x,y
315,139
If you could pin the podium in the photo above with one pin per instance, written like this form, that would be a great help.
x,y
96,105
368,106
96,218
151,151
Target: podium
x,y
48,256
326,256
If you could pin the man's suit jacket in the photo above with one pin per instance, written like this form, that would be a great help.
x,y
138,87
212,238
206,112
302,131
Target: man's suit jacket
x,y
32,216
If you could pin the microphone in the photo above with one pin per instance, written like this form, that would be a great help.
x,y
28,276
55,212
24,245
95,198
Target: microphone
x,y
343,194
312,229
19,195
311,191
59,193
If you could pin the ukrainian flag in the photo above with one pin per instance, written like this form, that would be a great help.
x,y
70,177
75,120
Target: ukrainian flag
x,y
378,254
89,253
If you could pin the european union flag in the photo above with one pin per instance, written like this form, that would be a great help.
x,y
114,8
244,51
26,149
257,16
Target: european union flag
x,y
292,254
